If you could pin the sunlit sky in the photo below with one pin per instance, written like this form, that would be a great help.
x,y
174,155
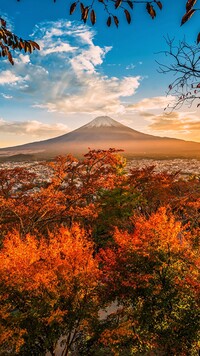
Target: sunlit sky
x,y
85,71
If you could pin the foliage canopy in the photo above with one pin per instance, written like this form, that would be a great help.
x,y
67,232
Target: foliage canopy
x,y
98,260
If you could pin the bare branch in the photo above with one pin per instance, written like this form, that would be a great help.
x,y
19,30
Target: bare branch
x,y
185,68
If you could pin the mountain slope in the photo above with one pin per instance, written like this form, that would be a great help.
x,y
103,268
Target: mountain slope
x,y
103,133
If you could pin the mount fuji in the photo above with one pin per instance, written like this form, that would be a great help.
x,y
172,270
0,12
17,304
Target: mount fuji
x,y
102,133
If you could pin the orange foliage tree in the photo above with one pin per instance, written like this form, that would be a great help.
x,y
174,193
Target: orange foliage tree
x,y
48,291
70,194
136,245
153,275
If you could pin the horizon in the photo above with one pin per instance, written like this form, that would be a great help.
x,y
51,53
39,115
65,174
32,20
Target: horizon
x,y
103,133
85,71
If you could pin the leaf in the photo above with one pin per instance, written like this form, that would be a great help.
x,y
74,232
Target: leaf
x,y
72,8
21,43
28,47
198,38
92,17
187,16
116,21
85,13
117,3
190,4
10,58
109,20
170,87
35,44
151,10
130,3
159,4
82,7
10,42
128,16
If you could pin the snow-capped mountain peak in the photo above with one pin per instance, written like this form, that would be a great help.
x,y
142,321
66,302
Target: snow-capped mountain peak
x,y
103,121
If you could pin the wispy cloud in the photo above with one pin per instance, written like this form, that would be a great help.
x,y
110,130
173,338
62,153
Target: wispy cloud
x,y
158,102
6,96
130,66
33,128
176,121
184,125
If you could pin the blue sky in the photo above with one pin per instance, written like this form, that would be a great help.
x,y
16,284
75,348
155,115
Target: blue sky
x,y
84,71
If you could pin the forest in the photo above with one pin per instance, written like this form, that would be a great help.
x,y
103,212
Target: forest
x,y
99,260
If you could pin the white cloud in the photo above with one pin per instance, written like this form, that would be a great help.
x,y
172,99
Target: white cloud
x,y
59,47
6,96
33,128
98,96
130,66
8,77
24,58
65,76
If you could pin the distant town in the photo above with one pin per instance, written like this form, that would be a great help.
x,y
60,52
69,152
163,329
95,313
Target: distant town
x,y
186,167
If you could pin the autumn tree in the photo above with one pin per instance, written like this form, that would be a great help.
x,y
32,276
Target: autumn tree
x,y
96,236
153,276
72,192
171,190
48,291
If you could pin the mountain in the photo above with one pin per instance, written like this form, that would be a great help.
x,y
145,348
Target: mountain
x,y
103,133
